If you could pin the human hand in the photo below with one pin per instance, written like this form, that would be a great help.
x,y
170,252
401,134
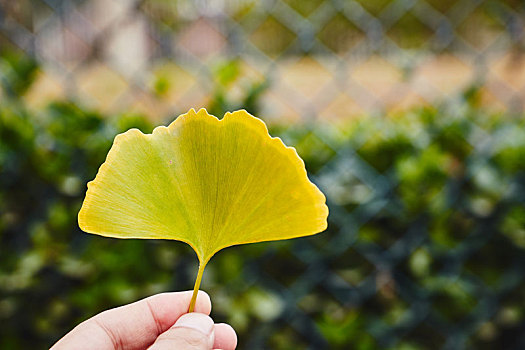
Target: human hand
x,y
155,323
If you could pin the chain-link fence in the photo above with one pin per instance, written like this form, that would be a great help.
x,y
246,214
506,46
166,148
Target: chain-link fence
x,y
328,59
425,246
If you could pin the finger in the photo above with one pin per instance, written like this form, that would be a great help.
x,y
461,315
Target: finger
x,y
133,326
192,331
225,337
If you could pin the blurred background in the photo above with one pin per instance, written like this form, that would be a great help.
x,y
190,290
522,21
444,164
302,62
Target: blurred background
x,y
408,114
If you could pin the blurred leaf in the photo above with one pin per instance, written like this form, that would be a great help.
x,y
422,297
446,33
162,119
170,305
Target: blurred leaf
x,y
17,72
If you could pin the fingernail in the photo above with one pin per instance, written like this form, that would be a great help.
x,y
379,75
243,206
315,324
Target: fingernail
x,y
197,321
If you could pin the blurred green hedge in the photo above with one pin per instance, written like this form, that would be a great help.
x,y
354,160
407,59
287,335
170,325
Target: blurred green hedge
x,y
425,246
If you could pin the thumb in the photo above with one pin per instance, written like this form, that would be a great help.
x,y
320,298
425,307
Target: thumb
x,y
193,331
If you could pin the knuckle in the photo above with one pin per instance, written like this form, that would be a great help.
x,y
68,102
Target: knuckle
x,y
183,338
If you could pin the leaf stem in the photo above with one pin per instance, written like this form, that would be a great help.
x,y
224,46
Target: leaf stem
x,y
196,287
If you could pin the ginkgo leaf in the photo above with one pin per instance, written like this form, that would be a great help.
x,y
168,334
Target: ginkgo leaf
x,y
210,183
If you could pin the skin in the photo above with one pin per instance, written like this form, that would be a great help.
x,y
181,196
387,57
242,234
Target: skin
x,y
156,323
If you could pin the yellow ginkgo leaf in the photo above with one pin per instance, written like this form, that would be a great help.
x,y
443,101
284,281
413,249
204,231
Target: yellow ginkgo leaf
x,y
210,183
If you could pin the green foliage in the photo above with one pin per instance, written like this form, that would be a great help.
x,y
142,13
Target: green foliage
x,y
227,81
48,270
426,234
17,73
435,200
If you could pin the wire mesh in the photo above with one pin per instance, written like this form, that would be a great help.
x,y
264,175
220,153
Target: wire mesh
x,y
324,59
328,60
